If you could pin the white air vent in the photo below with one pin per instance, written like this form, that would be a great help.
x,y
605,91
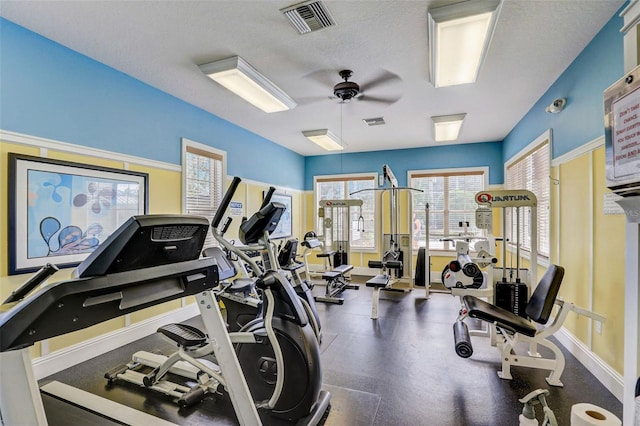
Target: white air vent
x,y
309,16
374,121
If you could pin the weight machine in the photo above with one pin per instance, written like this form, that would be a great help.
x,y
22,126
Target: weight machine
x,y
336,231
519,320
336,228
393,264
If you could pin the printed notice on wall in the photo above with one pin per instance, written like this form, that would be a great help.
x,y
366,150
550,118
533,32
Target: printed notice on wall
x,y
235,208
626,135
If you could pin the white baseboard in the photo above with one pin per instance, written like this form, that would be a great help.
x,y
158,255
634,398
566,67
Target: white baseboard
x,y
68,357
610,378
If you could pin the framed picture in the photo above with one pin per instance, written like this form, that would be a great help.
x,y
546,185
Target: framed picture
x,y
284,228
59,211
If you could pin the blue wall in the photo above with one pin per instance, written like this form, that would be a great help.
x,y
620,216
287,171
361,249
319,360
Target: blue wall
x,y
582,84
50,91
401,160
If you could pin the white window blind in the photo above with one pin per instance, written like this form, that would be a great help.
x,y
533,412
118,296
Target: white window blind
x,y
204,184
531,171
451,199
339,188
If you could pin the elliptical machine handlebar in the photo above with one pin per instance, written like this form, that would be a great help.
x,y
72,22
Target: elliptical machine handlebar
x,y
225,202
267,197
225,227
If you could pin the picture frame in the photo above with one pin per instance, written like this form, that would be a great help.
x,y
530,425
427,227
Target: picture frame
x,y
60,211
284,228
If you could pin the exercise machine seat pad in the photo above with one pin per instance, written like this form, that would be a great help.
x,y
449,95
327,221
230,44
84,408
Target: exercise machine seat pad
x,y
343,269
327,254
538,308
544,296
478,308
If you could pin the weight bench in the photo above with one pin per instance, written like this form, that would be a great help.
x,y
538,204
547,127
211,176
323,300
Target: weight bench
x,y
382,281
516,329
336,284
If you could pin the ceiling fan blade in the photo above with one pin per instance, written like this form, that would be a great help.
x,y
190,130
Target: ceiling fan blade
x,y
384,78
388,100
325,77
307,100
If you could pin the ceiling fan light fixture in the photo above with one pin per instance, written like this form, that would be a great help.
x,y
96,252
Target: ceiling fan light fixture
x,y
459,38
323,138
447,128
239,77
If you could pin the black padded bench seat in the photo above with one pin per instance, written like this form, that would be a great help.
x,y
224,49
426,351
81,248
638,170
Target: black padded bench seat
x,y
338,271
482,310
327,254
378,281
343,269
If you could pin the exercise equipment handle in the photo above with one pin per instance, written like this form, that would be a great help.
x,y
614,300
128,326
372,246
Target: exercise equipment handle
x,y
45,272
267,197
225,227
225,202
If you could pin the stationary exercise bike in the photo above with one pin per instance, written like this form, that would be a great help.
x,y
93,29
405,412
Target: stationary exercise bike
x,y
278,352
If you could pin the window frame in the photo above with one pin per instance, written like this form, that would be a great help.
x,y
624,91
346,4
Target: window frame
x,y
207,151
546,137
461,171
347,178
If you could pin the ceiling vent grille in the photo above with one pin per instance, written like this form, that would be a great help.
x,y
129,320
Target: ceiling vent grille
x,y
377,121
309,16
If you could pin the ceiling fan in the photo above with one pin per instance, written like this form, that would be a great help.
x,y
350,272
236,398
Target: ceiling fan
x,y
347,90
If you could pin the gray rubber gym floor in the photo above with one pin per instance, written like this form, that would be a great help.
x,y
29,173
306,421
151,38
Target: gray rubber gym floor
x,y
401,369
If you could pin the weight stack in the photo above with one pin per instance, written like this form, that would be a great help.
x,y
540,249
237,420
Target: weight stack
x,y
513,297
340,258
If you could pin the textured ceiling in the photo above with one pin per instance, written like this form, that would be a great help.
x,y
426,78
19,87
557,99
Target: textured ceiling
x,y
161,43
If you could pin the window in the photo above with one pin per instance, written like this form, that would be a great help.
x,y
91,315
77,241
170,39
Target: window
x,y
203,181
531,170
451,199
363,231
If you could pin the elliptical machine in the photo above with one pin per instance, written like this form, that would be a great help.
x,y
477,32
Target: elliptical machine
x,y
241,299
278,352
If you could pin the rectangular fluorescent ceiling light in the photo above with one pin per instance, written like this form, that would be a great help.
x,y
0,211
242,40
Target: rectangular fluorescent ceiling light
x,y
447,127
323,138
459,38
238,76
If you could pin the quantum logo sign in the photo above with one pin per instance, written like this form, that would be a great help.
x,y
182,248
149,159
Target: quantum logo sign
x,y
484,198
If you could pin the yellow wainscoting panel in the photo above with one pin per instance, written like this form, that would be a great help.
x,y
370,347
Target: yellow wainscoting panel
x,y
575,242
165,189
609,276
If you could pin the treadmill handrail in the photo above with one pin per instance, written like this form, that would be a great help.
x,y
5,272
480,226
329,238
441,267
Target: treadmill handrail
x,y
75,304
